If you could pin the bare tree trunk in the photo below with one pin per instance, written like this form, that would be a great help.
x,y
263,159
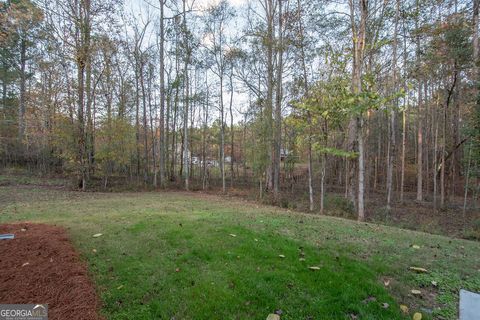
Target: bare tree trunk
x,y
356,125
186,103
476,7
278,106
404,145
269,98
305,82
420,124
435,164
186,173
137,117
310,174
82,52
442,170
419,154
361,171
404,120
222,135
21,103
90,139
352,125
162,96
204,137
152,124
322,183
476,68
145,124
81,132
392,142
232,132
192,116
467,181
175,132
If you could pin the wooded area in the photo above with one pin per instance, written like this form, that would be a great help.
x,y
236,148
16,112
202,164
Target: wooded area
x,y
277,96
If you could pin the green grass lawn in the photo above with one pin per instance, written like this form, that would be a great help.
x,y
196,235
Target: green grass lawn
x,y
173,256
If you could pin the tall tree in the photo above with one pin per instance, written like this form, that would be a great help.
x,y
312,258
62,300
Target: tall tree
x,y
162,140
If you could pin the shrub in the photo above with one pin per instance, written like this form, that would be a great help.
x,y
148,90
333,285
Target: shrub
x,y
474,231
340,207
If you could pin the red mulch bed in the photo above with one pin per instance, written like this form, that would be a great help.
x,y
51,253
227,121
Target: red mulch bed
x,y
41,266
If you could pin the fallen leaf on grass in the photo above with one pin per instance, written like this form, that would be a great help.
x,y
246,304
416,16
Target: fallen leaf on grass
x,y
417,316
404,308
233,235
97,235
415,246
416,292
418,270
434,283
314,268
281,256
94,250
120,287
385,305
273,316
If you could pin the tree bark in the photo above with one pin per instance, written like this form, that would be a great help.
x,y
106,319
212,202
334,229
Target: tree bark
x,y
186,173
145,123
222,134
269,98
356,124
392,140
306,89
419,122
21,103
232,131
162,143
278,107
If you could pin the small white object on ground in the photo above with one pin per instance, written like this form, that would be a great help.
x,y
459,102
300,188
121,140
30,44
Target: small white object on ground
x,y
97,235
469,305
273,316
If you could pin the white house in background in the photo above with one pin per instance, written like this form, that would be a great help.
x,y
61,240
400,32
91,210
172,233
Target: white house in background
x,y
212,163
284,153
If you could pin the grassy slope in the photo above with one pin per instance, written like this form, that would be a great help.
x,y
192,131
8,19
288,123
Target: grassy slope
x,y
170,255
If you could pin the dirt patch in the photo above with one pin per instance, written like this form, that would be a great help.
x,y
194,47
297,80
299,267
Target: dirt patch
x,y
41,266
